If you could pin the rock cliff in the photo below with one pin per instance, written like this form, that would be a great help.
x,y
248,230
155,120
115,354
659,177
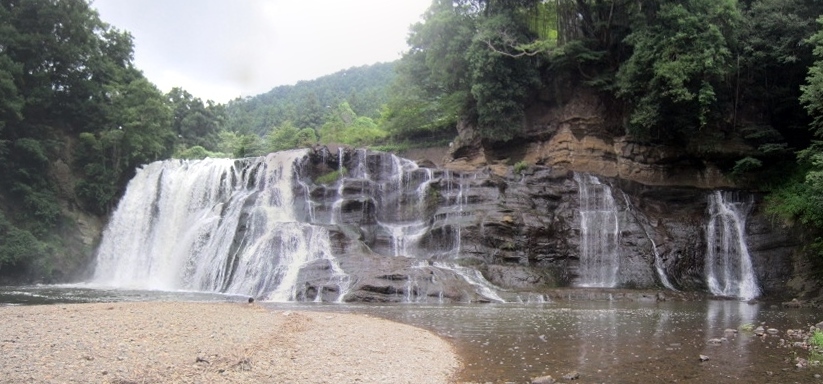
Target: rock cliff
x,y
522,231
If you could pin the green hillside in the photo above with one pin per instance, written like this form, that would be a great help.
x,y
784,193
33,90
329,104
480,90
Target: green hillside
x,y
308,104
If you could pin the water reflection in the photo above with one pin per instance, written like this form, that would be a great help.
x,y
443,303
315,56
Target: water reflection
x,y
606,342
612,342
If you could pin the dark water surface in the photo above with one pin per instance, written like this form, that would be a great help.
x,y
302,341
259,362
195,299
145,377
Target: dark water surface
x,y
605,342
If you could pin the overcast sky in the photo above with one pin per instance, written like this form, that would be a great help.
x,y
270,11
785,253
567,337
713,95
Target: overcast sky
x,y
221,49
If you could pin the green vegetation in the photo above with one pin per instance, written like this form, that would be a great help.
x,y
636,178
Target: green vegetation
x,y
76,119
520,166
68,94
800,198
331,177
816,348
308,103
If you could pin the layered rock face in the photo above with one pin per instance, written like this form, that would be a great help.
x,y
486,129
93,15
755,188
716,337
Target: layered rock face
x,y
660,199
358,225
524,232
584,134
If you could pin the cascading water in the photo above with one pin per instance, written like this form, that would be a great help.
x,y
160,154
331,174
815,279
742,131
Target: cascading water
x,y
658,262
599,231
399,192
729,269
215,225
266,227
475,278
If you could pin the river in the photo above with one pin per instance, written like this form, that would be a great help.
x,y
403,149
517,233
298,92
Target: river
x,y
602,341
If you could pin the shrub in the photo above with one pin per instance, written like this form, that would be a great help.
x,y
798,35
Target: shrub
x,y
520,167
331,177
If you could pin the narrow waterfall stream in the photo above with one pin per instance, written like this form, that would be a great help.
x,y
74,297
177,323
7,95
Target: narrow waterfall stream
x,y
729,269
599,233
658,261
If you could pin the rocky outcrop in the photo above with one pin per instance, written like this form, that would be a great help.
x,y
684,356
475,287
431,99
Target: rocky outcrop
x,y
521,231
584,134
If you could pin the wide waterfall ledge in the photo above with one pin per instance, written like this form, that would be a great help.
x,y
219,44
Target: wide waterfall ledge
x,y
361,225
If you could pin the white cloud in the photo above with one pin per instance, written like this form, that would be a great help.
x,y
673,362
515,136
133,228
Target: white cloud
x,y
219,50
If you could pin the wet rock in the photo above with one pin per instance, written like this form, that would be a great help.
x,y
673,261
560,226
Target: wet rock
x,y
716,341
573,375
801,362
819,325
521,232
759,331
703,358
543,380
772,331
793,304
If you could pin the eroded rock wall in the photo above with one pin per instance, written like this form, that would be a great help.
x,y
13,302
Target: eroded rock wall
x,y
522,231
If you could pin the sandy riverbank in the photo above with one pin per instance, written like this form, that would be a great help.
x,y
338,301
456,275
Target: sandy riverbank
x,y
208,342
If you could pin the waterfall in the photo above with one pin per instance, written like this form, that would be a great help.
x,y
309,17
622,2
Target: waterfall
x,y
216,225
658,266
475,278
729,270
267,227
599,233
658,262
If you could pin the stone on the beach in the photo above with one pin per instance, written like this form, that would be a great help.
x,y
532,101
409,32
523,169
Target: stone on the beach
x,y
543,380
759,331
792,304
573,375
772,331
704,358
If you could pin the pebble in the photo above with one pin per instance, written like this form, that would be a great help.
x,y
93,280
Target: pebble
x,y
573,375
543,380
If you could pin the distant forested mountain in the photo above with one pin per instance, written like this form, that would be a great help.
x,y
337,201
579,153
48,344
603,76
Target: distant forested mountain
x,y
309,103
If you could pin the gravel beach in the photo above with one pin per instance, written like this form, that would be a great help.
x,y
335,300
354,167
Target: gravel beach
x,y
175,342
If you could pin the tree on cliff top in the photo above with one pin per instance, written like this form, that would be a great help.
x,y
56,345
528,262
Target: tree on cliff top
x,y
450,72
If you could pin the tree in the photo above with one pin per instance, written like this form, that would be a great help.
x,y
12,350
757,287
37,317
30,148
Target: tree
x,y
345,127
288,136
500,82
682,53
194,123
801,199
456,69
69,94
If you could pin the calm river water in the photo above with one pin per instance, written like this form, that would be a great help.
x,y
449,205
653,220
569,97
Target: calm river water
x,y
603,341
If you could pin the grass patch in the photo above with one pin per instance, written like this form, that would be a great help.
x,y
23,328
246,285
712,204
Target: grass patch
x,y
816,346
520,166
331,177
